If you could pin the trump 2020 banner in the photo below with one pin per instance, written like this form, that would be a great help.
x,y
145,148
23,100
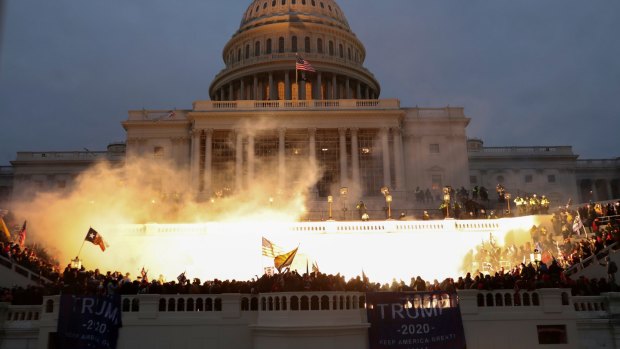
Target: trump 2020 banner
x,y
89,322
414,320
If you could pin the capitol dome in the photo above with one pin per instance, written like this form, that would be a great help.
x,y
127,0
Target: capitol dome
x,y
260,57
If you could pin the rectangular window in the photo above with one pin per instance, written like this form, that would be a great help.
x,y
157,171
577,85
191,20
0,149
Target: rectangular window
x,y
552,334
434,148
473,180
436,182
158,152
528,178
551,178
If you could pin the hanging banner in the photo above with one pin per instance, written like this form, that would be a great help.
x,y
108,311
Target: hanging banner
x,y
414,320
89,322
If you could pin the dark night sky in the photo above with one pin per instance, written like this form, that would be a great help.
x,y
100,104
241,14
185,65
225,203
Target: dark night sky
x,y
528,72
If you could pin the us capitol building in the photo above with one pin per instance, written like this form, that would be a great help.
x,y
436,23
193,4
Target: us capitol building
x,y
264,116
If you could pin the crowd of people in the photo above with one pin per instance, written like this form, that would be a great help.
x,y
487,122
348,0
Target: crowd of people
x,y
576,235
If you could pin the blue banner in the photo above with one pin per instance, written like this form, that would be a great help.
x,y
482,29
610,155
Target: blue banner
x,y
414,320
89,322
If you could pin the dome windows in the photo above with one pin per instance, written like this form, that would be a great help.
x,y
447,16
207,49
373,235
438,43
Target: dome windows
x,y
257,49
341,51
268,48
331,48
313,2
294,44
273,3
247,51
307,44
319,45
281,45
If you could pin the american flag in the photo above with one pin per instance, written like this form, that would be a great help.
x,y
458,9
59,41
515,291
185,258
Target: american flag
x,y
302,64
270,249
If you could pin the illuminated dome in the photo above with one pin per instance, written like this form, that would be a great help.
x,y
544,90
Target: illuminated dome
x,y
266,11
260,57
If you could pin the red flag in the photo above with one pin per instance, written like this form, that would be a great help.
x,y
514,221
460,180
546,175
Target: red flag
x,y
22,236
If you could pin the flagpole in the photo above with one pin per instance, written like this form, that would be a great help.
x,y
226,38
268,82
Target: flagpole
x,y
80,251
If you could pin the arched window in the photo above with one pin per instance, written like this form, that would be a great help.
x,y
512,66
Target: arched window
x,y
239,55
247,51
349,53
331,48
283,2
294,44
319,45
268,48
257,49
307,44
341,51
281,44
273,3
313,3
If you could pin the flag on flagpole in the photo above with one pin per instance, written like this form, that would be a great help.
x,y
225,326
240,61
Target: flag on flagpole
x,y
22,236
96,239
5,230
284,260
315,267
144,274
270,249
181,278
302,64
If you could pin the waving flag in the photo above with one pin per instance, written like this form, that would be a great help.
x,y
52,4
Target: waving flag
x,y
270,249
304,65
284,260
95,238
22,236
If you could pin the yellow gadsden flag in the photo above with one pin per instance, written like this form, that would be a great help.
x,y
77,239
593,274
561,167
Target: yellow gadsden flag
x,y
4,230
284,260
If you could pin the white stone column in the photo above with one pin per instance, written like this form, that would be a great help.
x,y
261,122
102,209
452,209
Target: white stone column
x,y
250,158
399,164
355,157
281,159
342,132
387,175
195,158
208,161
312,146
238,161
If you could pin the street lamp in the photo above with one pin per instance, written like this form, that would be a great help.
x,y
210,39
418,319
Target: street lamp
x,y
388,200
385,190
536,256
507,196
330,200
446,200
343,196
